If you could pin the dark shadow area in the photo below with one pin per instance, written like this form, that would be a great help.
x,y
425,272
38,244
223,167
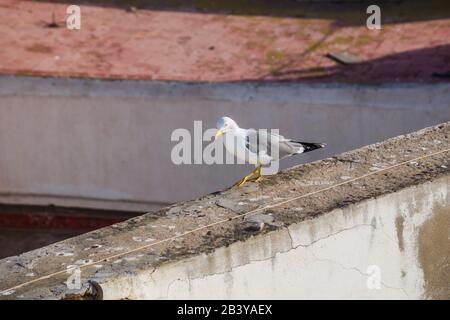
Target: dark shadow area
x,y
26,227
343,12
427,65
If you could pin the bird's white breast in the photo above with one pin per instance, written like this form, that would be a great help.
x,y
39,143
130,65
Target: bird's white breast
x,y
235,144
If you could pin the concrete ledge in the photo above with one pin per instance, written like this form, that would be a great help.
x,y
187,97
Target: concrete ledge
x,y
311,231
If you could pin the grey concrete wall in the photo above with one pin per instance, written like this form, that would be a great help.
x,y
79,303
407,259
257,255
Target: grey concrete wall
x,y
106,144
391,247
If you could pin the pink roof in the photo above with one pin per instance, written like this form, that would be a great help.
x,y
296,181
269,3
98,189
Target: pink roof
x,y
169,45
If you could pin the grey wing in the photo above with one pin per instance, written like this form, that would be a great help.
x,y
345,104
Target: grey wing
x,y
274,145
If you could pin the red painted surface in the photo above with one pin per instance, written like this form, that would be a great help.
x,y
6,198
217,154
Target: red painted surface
x,y
32,221
24,228
189,46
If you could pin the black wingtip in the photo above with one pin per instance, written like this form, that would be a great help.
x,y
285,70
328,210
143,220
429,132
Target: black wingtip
x,y
310,146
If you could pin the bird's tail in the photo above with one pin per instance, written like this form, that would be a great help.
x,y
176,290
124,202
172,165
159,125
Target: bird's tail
x,y
310,146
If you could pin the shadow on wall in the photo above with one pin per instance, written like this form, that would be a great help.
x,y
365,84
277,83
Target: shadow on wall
x,y
344,12
405,66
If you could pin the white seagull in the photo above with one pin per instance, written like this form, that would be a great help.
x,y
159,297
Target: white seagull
x,y
258,147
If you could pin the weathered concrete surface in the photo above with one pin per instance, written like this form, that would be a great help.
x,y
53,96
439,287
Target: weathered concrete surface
x,y
304,233
354,252
106,144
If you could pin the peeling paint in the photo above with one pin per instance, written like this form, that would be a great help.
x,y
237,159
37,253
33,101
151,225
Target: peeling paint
x,y
434,253
399,221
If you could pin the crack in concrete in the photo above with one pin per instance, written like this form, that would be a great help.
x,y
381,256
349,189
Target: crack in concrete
x,y
332,234
290,237
292,247
364,274
169,286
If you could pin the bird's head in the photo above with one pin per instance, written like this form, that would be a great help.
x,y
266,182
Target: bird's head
x,y
224,125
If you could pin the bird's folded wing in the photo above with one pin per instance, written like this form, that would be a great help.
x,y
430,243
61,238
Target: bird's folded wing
x,y
274,145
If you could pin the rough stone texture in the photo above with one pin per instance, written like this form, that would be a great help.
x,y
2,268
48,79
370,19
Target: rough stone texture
x,y
111,255
348,253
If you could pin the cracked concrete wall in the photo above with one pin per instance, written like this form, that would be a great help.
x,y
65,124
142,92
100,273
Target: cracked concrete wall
x,y
368,223
359,252
91,143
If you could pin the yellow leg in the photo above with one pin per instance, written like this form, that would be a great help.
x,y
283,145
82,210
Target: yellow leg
x,y
258,176
247,177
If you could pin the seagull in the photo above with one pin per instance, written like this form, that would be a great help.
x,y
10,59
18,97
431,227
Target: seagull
x,y
257,146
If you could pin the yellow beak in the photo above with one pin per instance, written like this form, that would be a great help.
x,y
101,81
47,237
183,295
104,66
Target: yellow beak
x,y
218,133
